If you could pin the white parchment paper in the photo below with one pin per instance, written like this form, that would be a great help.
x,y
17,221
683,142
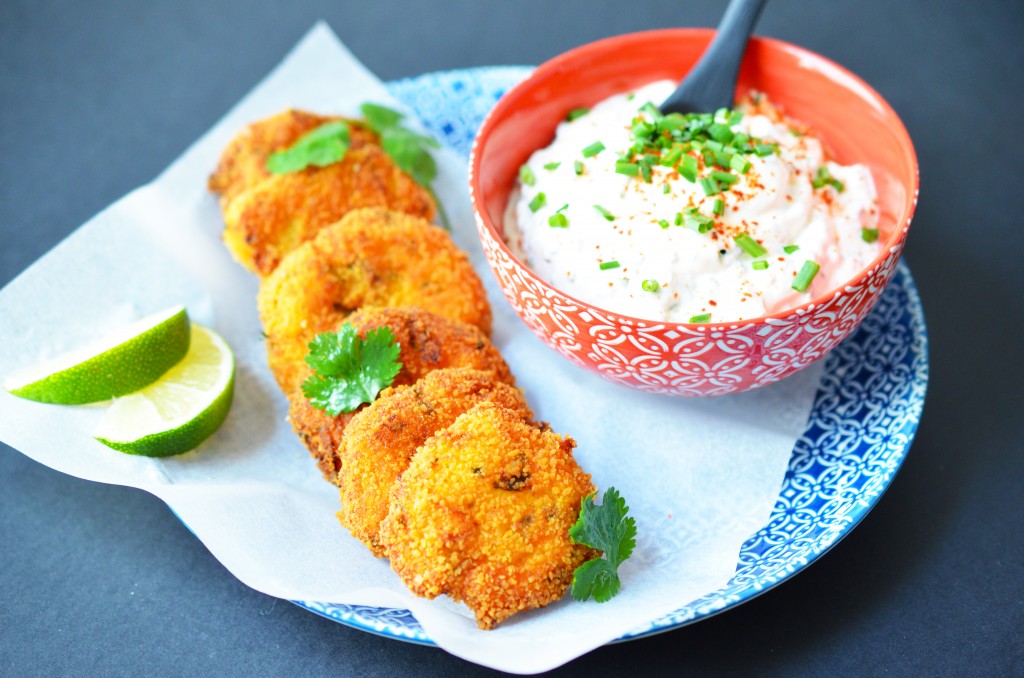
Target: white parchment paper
x,y
700,476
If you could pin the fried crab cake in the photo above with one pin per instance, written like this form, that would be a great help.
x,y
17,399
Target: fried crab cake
x,y
276,215
372,257
381,439
427,342
243,164
483,513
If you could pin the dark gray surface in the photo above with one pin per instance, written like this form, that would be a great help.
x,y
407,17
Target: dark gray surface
x,y
96,98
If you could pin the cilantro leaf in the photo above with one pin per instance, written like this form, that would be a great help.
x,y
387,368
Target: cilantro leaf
x,y
595,578
406,148
379,117
325,145
607,528
348,369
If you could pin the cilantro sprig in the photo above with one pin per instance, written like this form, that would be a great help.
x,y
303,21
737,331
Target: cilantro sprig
x,y
350,370
605,527
325,145
407,149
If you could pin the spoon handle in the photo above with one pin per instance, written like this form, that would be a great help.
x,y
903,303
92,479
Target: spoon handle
x,y
711,84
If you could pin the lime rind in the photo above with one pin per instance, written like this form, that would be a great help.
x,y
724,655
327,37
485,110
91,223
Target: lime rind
x,y
180,410
128,360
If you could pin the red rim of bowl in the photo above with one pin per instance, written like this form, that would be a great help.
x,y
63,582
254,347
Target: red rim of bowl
x,y
895,240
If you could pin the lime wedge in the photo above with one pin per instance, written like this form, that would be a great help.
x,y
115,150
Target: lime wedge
x,y
181,409
124,362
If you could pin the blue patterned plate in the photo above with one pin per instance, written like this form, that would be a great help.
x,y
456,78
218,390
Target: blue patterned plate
x,y
864,418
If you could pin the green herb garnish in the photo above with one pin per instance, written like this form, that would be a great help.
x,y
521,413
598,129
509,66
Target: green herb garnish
x,y
349,370
406,148
869,234
630,169
578,167
559,220
759,265
718,206
789,249
576,113
824,178
325,145
538,201
702,318
527,176
750,246
604,213
650,286
593,149
806,275
709,186
552,165
609,529
607,265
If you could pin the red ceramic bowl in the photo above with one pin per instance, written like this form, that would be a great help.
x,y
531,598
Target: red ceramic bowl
x,y
679,358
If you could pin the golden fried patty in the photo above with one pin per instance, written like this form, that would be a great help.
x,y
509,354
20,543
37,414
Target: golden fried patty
x,y
427,342
483,512
276,215
243,164
372,257
380,440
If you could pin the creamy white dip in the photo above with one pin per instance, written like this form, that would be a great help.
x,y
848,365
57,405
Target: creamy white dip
x,y
696,274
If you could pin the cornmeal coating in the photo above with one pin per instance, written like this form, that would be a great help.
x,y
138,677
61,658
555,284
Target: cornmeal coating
x,y
427,342
276,215
243,164
381,439
483,512
372,257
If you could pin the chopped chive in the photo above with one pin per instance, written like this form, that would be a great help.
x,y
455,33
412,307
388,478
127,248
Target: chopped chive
x,y
824,178
538,201
709,186
869,234
679,219
764,149
628,168
720,133
552,165
578,167
604,213
672,157
663,223
576,113
688,169
759,265
558,220
642,130
593,149
718,206
789,249
526,175
650,109
672,121
702,318
740,164
749,245
735,117
650,286
806,275
645,170
607,265
666,189
698,222
725,178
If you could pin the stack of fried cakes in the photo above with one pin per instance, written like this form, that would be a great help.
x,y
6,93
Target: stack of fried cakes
x,y
446,473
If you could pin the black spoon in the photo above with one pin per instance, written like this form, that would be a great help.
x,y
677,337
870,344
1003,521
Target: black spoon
x,y
712,82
